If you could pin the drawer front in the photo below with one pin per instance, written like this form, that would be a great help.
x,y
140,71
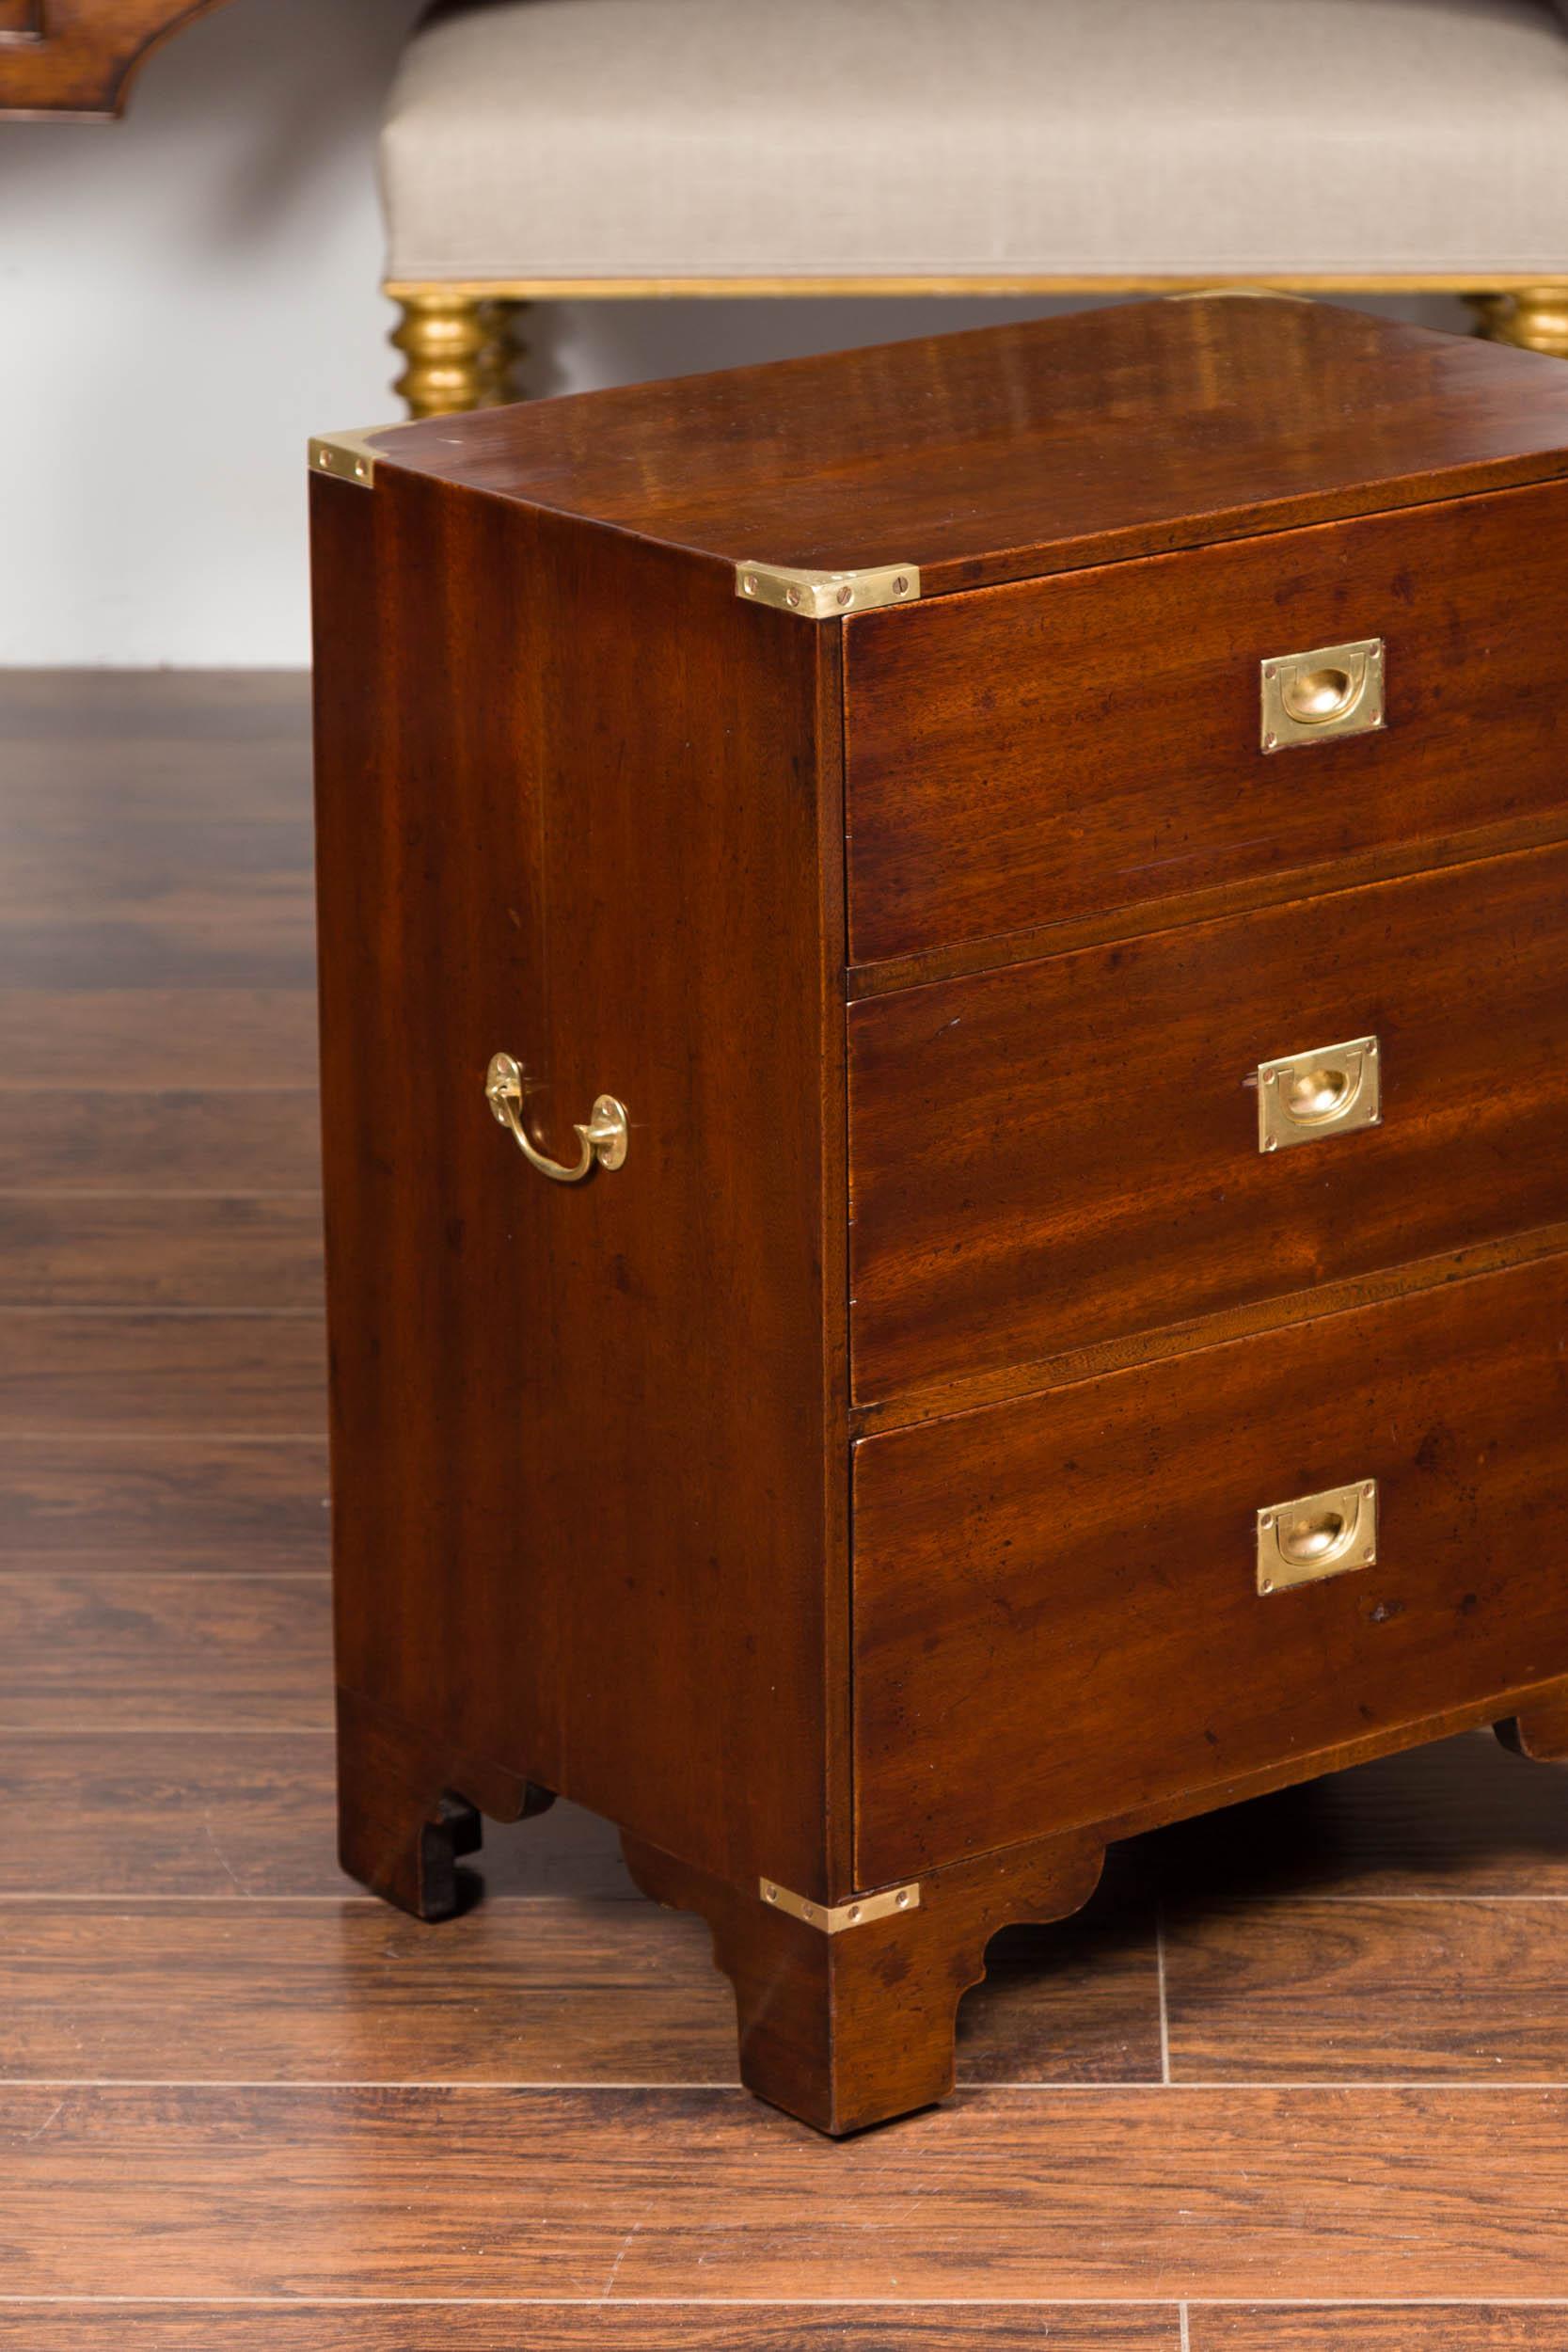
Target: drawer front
x,y
1056,1611
1072,746
1068,1152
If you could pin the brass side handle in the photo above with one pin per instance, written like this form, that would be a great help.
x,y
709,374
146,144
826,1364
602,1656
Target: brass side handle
x,y
1334,690
1315,1536
1328,1090
604,1139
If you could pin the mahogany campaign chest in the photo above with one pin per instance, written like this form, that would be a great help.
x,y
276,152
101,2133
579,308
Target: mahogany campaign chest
x,y
945,998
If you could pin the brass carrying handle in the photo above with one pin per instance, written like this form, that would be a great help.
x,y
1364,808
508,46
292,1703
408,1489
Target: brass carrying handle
x,y
604,1139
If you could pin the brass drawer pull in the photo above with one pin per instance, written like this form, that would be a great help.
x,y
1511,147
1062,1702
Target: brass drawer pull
x,y
604,1139
1334,690
1329,1090
1317,1536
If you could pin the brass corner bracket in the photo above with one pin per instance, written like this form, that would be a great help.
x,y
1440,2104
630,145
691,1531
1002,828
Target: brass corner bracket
x,y
827,596
835,1919
347,456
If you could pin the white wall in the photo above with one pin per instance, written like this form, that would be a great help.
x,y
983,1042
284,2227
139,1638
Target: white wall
x,y
186,295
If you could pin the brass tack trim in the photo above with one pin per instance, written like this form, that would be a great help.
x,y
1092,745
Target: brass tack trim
x,y
835,1919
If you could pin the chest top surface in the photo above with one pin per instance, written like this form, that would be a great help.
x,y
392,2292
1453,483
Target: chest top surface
x,y
1012,451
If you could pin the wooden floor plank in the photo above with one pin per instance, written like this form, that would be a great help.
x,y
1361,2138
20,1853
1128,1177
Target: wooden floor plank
x,y
543,1992
1042,2193
1388,2327
160,1375
139,1506
230,1252
231,1816
81,1652
218,941
255,1141
603,2327
111,709
98,1041
1365,1990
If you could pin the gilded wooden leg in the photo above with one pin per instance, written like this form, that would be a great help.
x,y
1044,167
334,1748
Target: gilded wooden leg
x,y
852,2027
1535,319
460,353
407,1813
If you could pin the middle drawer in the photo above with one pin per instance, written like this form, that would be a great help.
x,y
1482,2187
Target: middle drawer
x,y
1068,1152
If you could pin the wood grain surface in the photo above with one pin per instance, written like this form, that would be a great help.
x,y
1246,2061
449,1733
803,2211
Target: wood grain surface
x,y
1439,2327
161,1503
1044,447
1071,747
518,1365
993,1121
286,2189
1452,1400
575,1986
171,1909
183,1140
81,1652
1440,1991
216,1251
819,2325
161,1373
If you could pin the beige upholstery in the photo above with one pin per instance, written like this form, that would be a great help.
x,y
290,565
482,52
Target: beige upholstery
x,y
720,138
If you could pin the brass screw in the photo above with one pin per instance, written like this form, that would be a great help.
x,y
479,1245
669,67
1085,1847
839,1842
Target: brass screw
x,y
792,595
902,1899
770,1894
1271,1143
900,586
1267,1585
1271,742
749,583
854,1911
845,595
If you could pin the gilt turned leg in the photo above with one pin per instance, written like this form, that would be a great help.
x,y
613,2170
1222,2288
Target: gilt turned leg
x,y
1536,318
460,352
407,1812
849,2028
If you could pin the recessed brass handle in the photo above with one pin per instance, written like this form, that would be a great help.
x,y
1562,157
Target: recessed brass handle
x,y
1317,1536
1334,690
1328,1090
604,1139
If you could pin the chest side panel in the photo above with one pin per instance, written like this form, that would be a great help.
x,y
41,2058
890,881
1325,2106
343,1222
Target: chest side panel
x,y
1058,1614
588,1438
1079,747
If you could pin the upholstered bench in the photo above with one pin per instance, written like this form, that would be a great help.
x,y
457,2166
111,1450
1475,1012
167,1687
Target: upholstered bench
x,y
544,149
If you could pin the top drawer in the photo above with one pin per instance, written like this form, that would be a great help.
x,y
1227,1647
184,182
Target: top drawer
x,y
1072,746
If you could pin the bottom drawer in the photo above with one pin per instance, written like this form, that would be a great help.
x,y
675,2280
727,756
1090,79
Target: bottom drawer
x,y
1057,1614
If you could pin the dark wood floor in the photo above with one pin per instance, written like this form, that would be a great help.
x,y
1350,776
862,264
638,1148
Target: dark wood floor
x,y
1298,2081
